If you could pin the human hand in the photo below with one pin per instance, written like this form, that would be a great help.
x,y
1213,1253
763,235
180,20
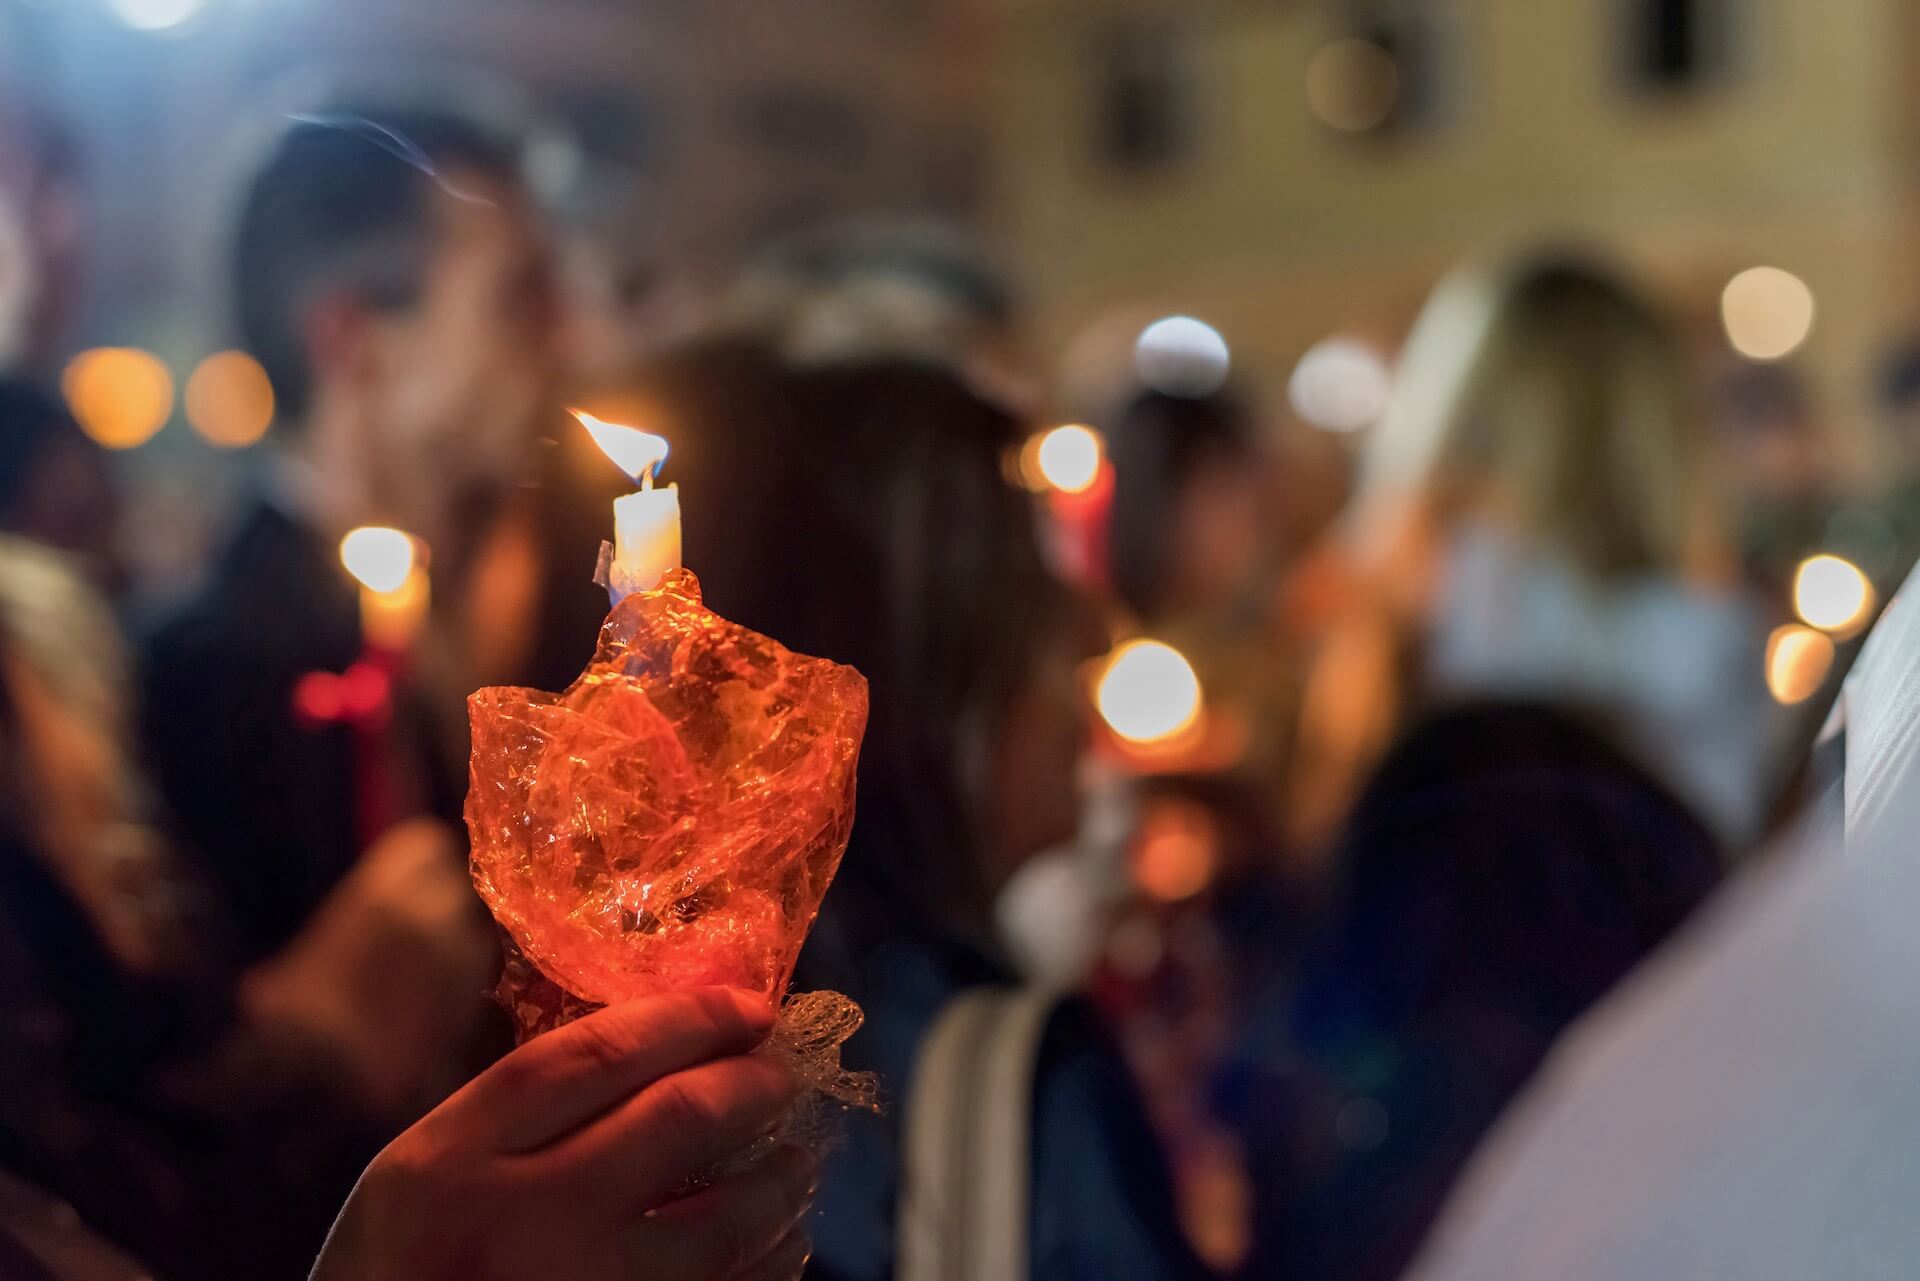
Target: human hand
x,y
562,1161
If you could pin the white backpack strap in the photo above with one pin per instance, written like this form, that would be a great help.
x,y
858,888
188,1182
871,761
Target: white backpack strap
x,y
967,1147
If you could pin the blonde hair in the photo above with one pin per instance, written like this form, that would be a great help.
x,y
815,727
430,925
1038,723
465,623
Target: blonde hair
x,y
1543,397
64,684
1549,397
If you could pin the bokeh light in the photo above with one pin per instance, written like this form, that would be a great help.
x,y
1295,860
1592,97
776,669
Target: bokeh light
x,y
1831,593
1182,356
1068,458
229,400
379,557
1798,660
1148,693
1767,312
1352,85
1177,849
1340,385
155,15
120,396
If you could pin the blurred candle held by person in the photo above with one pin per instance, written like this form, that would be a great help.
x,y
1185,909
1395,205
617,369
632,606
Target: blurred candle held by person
x,y
904,551
1535,522
1196,558
391,277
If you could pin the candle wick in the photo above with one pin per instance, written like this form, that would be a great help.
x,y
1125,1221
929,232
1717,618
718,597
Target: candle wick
x,y
646,481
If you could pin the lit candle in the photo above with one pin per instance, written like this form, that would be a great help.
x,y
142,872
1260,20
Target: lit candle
x,y
394,592
646,524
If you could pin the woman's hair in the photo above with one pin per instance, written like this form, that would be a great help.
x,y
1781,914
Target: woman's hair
x,y
859,512
1544,397
1550,396
68,788
1157,443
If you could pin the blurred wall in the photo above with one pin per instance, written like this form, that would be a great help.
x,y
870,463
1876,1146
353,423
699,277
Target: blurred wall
x,y
1793,146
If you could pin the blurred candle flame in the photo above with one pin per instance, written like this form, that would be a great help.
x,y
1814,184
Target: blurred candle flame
x,y
394,592
379,558
1068,458
1831,593
1148,693
635,452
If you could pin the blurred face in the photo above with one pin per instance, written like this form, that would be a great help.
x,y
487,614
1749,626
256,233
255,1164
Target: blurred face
x,y
1220,531
465,376
1042,734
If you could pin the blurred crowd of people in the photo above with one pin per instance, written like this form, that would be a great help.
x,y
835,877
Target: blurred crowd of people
x,y
1486,721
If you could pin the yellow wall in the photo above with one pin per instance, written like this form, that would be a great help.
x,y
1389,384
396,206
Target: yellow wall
x,y
1281,230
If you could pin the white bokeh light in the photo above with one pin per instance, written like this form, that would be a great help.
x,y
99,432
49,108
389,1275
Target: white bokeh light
x,y
1830,592
1181,356
1148,692
1340,385
1069,458
381,558
155,15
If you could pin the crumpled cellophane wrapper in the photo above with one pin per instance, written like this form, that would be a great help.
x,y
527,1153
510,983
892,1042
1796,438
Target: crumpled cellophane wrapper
x,y
672,820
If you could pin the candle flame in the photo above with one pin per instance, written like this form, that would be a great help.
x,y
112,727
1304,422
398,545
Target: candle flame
x,y
1148,693
1830,592
380,558
635,452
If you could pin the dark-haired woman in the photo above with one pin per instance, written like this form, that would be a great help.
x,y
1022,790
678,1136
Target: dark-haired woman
x,y
860,512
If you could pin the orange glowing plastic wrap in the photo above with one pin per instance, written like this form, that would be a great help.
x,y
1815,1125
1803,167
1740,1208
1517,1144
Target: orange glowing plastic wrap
x,y
672,819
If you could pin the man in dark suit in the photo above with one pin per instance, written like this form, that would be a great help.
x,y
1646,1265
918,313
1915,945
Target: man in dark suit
x,y
391,276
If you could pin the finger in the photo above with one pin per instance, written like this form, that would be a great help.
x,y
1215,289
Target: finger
x,y
787,1262
643,1152
734,1225
556,1083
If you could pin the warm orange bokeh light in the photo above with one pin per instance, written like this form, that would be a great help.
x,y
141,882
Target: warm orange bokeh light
x,y
120,396
1176,851
1798,660
229,400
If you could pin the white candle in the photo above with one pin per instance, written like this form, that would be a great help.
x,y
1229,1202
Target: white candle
x,y
646,525
646,539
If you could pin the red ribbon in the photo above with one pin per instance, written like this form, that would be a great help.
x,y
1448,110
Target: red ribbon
x,y
360,698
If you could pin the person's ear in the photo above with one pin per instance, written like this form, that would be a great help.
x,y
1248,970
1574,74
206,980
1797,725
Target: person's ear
x,y
342,339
